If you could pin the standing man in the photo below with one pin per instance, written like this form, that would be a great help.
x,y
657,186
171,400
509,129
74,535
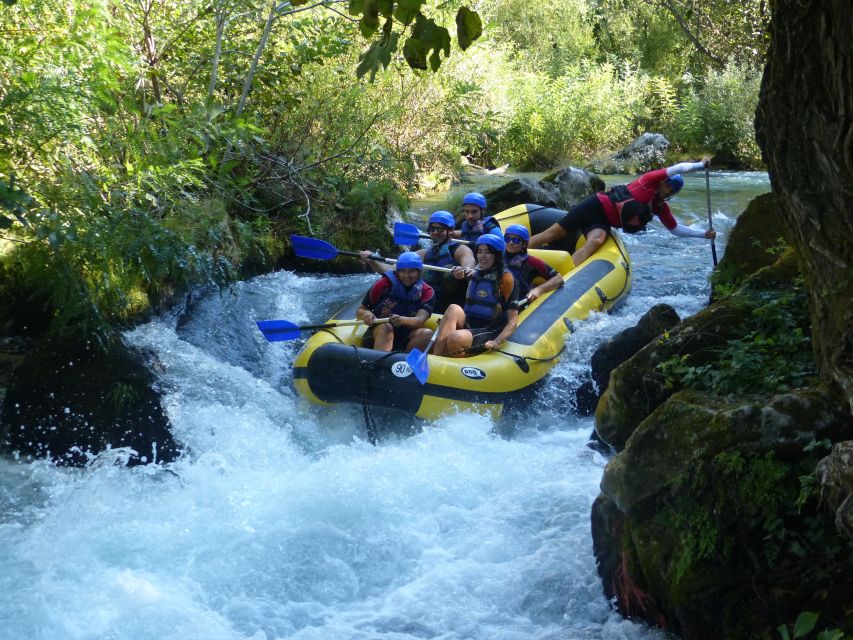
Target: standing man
x,y
628,207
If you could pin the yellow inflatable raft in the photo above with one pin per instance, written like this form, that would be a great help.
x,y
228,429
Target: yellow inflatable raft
x,y
332,367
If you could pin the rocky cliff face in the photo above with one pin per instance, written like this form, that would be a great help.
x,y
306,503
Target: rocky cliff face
x,y
711,522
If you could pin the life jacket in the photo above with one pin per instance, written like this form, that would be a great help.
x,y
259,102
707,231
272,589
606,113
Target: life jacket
x,y
627,207
483,298
399,299
485,225
439,256
520,270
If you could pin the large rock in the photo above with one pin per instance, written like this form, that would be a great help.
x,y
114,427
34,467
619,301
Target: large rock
x,y
638,387
704,527
68,402
561,189
654,323
646,152
835,474
692,426
755,242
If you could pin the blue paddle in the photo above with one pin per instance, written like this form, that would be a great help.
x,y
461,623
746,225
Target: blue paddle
x,y
280,330
321,250
417,360
408,234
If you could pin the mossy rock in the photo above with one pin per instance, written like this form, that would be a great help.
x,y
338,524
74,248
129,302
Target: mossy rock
x,y
691,426
705,525
756,241
70,401
636,388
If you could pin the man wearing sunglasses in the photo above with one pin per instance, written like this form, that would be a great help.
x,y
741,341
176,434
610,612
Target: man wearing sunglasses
x,y
628,207
527,269
444,252
476,223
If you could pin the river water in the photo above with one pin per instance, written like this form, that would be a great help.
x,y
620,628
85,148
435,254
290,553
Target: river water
x,y
281,521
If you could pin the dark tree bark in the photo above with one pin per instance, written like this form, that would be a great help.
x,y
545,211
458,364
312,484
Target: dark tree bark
x,y
805,128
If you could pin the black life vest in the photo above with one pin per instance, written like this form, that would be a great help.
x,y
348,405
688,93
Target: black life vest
x,y
520,270
399,299
627,207
471,233
441,255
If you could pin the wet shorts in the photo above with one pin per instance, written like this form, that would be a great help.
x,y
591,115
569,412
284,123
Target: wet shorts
x,y
402,335
586,215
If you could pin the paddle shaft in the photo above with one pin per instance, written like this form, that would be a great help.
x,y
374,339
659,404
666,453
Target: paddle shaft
x,y
710,220
375,258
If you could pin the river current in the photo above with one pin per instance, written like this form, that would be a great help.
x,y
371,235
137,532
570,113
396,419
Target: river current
x,y
282,521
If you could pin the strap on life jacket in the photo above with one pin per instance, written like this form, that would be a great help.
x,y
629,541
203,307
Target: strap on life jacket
x,y
483,299
627,207
399,300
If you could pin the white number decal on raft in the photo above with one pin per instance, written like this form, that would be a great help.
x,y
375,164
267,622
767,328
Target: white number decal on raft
x,y
473,372
401,369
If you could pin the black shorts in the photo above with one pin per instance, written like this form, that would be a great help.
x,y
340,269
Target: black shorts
x,y
402,335
481,335
586,215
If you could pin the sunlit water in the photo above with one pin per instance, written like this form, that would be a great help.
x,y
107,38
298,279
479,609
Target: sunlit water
x,y
281,521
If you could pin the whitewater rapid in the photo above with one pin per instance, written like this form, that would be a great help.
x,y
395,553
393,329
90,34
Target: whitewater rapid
x,y
281,521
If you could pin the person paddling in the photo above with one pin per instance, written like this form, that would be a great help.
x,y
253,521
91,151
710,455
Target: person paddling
x,y
444,252
490,314
527,269
628,207
406,300
476,223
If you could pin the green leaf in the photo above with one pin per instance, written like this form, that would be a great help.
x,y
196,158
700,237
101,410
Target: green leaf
x,y
356,7
783,631
469,27
806,621
369,22
5,222
426,36
408,10
378,53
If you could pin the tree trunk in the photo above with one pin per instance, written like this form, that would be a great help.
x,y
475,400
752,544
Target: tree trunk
x,y
804,125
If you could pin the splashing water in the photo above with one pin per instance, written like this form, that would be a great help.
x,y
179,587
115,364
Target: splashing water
x,y
281,521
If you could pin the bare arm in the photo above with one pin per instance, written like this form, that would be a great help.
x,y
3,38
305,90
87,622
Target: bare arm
x,y
506,332
464,257
687,167
411,322
551,234
549,285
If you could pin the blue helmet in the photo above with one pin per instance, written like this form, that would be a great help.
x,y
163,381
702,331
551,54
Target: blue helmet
x,y
410,260
443,217
517,230
475,198
676,182
495,242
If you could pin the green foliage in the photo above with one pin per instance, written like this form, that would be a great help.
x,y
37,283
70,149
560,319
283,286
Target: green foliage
x,y
718,114
805,624
572,117
773,354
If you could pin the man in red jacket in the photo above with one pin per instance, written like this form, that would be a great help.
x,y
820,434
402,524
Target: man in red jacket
x,y
628,207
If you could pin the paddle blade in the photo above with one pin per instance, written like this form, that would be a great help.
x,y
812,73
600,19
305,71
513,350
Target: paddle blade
x,y
417,360
306,247
406,233
279,330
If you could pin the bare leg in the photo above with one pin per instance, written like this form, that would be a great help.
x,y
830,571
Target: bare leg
x,y
419,339
383,337
551,234
458,341
454,318
594,240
